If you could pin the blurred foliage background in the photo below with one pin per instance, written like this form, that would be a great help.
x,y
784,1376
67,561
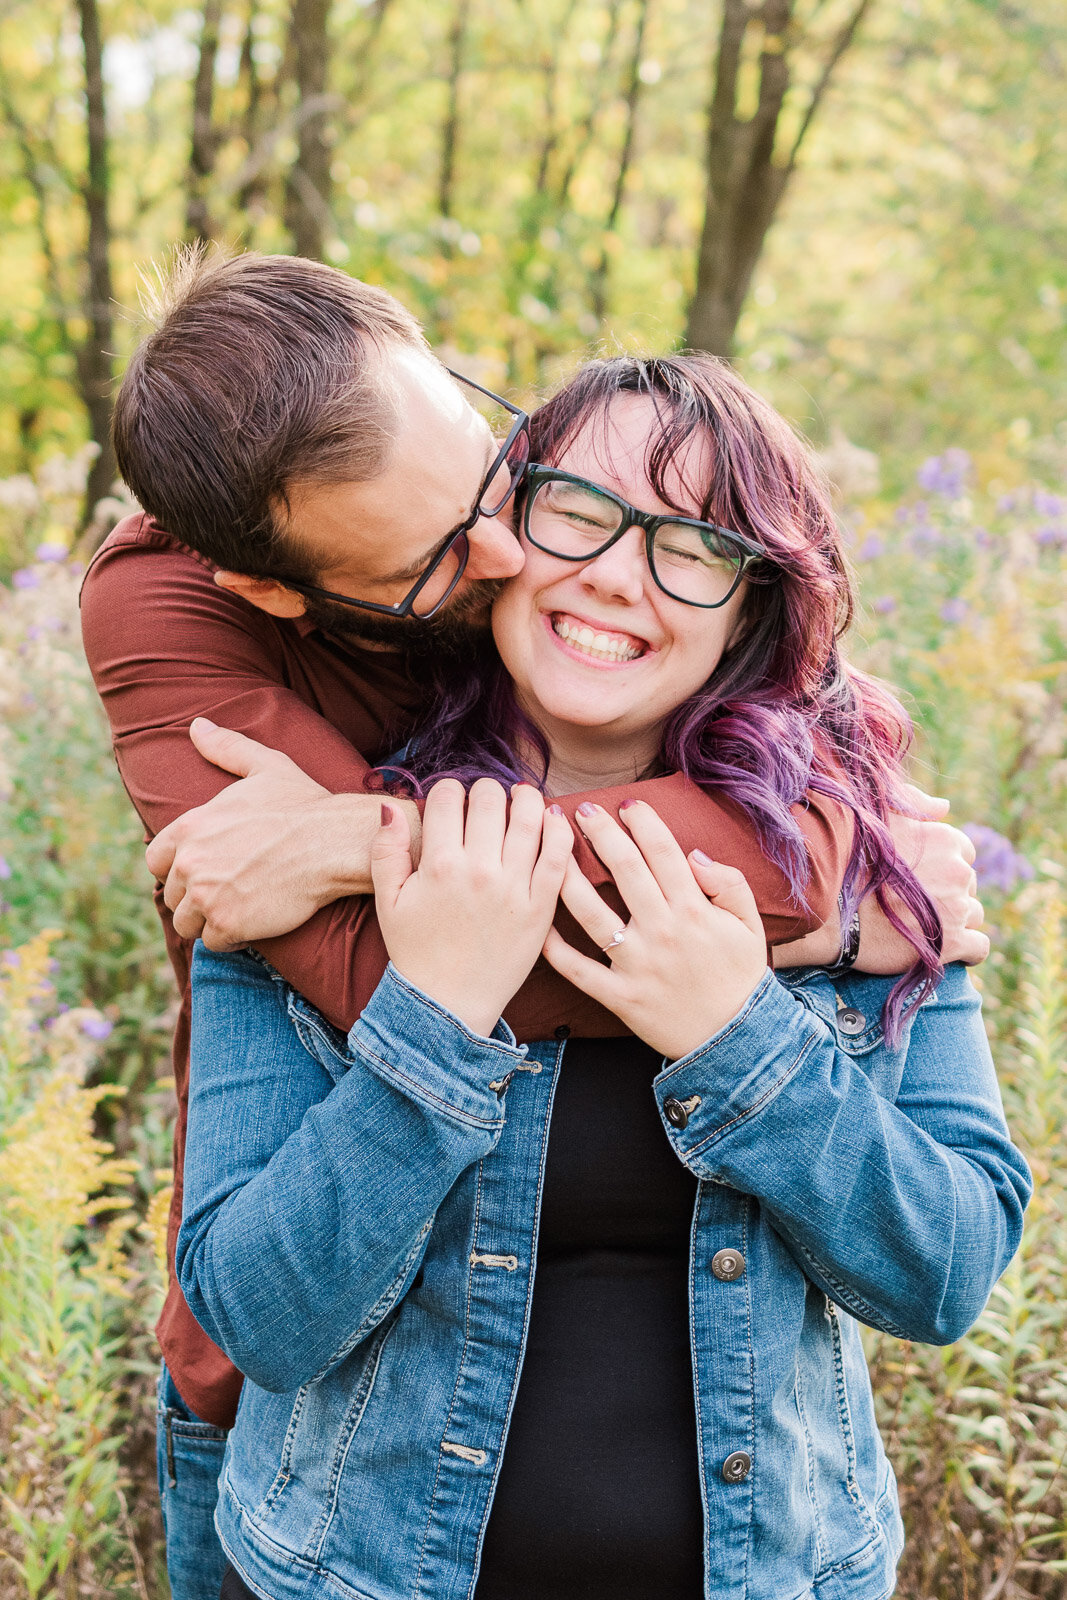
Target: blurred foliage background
x,y
864,204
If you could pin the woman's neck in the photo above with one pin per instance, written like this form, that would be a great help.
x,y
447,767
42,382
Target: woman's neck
x,y
588,758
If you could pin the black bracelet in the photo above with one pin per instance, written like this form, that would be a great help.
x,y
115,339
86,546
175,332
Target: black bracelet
x,y
850,942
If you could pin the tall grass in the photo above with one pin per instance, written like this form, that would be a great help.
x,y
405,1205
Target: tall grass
x,y
965,606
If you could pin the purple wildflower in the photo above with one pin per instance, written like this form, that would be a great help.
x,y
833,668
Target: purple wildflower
x,y
10,958
997,863
25,578
871,548
885,605
96,1027
1049,505
953,611
1050,535
984,539
51,550
925,538
945,474
5,868
1006,503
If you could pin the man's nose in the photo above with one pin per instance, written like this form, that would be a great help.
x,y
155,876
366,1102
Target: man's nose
x,y
495,552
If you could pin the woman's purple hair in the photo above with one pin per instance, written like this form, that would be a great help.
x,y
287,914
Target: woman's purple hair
x,y
782,713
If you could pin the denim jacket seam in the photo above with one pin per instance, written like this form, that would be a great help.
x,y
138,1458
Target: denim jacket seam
x,y
847,1298
482,1040
420,1092
697,1056
768,1094
475,1218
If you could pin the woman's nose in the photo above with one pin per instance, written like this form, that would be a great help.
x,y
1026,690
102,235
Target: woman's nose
x,y
620,571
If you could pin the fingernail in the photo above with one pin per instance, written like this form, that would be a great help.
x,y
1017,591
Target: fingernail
x,y
387,815
207,722
624,805
555,811
587,809
701,858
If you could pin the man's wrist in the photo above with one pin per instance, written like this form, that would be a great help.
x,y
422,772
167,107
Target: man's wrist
x,y
345,826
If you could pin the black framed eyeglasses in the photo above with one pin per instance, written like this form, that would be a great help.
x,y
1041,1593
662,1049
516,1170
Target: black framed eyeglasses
x,y
448,563
696,562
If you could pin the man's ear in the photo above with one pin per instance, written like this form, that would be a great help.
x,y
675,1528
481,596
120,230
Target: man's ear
x,y
264,593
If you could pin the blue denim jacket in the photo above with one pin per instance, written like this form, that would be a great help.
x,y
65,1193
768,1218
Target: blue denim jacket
x,y
360,1236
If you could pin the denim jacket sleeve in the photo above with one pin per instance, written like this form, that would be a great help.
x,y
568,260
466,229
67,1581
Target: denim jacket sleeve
x,y
904,1210
308,1206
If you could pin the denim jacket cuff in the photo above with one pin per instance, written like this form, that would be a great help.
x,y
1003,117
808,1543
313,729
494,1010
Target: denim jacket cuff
x,y
426,1052
704,1095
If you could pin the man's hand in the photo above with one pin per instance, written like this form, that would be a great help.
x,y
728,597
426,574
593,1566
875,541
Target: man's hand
x,y
264,855
941,857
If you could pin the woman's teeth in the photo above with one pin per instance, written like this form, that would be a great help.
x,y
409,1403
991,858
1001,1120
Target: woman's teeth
x,y
601,645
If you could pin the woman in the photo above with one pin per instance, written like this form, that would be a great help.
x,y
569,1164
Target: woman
x,y
686,1410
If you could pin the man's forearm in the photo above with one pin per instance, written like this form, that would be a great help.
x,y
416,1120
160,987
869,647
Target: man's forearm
x,y
338,854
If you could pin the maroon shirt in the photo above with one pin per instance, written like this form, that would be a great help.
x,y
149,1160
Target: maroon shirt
x,y
166,644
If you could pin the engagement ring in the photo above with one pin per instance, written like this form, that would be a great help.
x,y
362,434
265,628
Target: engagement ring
x,y
618,937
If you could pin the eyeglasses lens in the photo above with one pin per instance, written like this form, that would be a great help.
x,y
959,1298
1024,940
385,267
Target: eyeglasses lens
x,y
505,479
442,580
694,564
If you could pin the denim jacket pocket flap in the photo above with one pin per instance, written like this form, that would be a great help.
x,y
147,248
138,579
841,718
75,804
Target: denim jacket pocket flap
x,y
851,1009
320,1038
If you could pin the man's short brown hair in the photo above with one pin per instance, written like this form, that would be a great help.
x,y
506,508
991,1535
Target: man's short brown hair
x,y
255,376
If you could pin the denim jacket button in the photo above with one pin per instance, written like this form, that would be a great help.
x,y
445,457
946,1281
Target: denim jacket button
x,y
727,1265
736,1467
675,1113
851,1021
562,1032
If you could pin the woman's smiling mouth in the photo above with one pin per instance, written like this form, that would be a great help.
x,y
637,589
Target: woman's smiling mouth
x,y
595,644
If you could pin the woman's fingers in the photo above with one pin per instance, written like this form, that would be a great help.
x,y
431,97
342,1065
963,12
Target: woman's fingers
x,y
442,822
592,977
661,850
726,888
554,861
623,860
589,911
390,854
522,841
487,809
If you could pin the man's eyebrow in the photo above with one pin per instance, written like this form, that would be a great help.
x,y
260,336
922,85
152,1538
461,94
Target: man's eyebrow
x,y
415,569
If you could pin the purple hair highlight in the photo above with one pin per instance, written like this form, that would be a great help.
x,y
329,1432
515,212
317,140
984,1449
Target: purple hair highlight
x,y
783,713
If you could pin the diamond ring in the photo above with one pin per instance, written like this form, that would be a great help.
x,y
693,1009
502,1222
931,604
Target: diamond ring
x,y
618,937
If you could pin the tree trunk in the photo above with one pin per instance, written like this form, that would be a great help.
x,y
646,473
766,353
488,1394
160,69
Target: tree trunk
x,y
450,132
746,176
204,143
633,93
93,357
308,188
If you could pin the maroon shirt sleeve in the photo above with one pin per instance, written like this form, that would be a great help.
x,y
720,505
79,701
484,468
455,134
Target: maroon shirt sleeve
x,y
166,644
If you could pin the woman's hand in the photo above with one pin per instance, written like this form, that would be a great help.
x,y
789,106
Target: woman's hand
x,y
467,927
694,948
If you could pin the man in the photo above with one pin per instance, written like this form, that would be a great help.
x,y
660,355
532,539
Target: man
x,y
322,505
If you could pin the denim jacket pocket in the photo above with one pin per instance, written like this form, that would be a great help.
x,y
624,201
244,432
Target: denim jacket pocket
x,y
320,1039
848,1008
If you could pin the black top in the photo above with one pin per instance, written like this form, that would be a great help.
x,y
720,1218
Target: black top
x,y
599,1494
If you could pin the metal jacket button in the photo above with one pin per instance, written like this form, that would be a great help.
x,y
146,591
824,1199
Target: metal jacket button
x,y
736,1467
727,1265
675,1113
851,1021
562,1032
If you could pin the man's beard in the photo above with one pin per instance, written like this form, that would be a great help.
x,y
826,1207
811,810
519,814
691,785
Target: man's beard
x,y
451,634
